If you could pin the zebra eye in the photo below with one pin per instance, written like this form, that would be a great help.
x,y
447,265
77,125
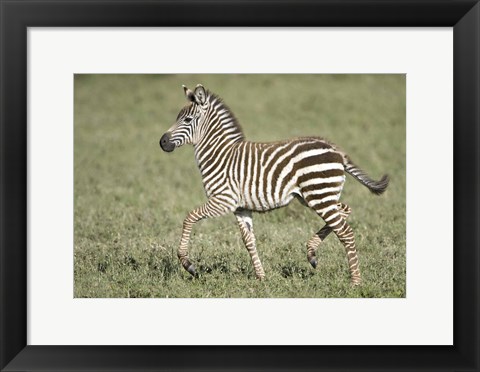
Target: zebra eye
x,y
188,119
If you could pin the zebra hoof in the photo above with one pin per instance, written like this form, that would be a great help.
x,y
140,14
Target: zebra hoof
x,y
313,262
192,271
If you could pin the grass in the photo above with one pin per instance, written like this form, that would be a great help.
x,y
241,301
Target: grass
x,y
131,198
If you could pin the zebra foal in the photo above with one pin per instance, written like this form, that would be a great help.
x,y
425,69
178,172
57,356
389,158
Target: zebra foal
x,y
240,176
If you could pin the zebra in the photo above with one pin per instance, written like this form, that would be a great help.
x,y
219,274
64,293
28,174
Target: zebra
x,y
242,177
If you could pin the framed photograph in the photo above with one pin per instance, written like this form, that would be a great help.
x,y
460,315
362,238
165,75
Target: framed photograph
x,y
294,172
126,123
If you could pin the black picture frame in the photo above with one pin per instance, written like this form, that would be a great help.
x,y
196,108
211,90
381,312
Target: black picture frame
x,y
17,15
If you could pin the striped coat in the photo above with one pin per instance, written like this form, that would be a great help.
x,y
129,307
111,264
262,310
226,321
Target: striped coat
x,y
242,177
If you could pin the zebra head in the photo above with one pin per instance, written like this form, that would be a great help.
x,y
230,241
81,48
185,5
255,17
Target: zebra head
x,y
189,119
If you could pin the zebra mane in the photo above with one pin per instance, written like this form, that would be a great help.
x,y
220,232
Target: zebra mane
x,y
221,105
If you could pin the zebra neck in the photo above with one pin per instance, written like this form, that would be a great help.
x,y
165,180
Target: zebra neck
x,y
212,153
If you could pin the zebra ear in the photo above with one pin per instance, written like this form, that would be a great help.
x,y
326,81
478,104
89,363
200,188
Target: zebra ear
x,y
189,94
200,94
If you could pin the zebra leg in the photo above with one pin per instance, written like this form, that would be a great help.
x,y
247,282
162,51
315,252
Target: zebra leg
x,y
332,215
245,222
215,207
344,232
321,235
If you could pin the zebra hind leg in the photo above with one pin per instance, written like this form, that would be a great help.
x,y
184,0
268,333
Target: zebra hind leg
x,y
245,222
345,233
314,242
333,217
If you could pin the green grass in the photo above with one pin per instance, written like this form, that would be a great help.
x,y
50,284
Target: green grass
x,y
131,197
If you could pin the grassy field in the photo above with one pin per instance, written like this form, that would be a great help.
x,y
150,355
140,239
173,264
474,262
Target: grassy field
x,y
131,197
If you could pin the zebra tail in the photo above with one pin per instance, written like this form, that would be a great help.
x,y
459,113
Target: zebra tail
x,y
376,187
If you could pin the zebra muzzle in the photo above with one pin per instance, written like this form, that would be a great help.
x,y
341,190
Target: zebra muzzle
x,y
166,144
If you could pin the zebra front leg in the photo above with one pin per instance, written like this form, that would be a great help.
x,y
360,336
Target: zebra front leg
x,y
320,236
215,207
245,222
